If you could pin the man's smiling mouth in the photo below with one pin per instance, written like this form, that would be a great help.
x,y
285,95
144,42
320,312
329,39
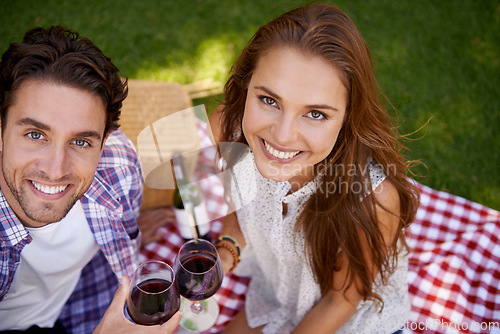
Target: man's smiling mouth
x,y
51,190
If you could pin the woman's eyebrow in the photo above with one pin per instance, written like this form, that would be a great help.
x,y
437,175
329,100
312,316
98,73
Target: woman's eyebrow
x,y
321,106
309,106
268,91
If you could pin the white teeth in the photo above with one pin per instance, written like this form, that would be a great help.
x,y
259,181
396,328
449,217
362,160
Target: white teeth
x,y
280,154
49,190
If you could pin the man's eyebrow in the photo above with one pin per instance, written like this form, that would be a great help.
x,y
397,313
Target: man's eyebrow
x,y
35,123
311,106
89,134
42,126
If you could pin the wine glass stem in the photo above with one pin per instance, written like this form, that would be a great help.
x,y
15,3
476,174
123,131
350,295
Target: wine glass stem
x,y
196,307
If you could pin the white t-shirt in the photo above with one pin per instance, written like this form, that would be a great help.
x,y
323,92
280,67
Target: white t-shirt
x,y
283,288
48,272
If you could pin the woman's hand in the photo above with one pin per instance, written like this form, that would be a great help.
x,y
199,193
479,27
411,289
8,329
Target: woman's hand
x,y
114,320
226,259
151,220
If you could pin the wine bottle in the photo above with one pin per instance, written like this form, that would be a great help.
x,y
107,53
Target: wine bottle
x,y
193,224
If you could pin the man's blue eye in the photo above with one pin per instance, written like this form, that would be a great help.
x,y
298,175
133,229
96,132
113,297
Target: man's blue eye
x,y
35,135
81,143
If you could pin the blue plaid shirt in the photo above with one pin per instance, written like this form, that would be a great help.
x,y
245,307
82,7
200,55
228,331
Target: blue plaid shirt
x,y
111,206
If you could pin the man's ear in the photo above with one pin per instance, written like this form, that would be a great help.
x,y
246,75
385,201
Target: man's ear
x,y
105,136
102,143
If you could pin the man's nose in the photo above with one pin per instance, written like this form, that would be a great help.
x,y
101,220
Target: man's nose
x,y
55,162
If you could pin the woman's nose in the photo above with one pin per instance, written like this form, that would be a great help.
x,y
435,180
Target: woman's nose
x,y
286,130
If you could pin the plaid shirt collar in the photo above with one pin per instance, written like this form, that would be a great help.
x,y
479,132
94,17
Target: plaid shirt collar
x,y
99,197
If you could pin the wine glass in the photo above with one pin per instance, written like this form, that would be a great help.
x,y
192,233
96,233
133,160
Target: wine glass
x,y
153,297
199,275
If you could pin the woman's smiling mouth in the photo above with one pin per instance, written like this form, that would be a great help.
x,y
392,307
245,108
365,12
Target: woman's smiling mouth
x,y
279,154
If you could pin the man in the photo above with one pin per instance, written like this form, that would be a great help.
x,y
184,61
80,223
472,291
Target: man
x,y
70,189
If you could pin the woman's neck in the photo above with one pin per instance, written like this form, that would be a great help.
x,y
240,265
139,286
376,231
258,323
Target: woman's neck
x,y
298,182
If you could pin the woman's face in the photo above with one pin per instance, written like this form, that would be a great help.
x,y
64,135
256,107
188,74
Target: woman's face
x,y
294,111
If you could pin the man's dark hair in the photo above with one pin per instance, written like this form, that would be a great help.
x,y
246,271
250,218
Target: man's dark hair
x,y
62,56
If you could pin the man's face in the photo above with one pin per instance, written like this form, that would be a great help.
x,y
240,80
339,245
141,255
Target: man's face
x,y
50,149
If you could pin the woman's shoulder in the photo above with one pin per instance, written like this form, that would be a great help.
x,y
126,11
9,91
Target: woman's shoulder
x,y
376,173
384,191
387,209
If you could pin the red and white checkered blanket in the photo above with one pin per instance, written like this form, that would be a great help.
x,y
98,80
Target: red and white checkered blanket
x,y
454,267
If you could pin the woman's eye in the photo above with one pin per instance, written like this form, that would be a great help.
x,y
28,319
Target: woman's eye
x,y
268,100
316,115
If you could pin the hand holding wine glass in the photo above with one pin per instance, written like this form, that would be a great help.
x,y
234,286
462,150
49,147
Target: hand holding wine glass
x,y
115,321
153,296
199,276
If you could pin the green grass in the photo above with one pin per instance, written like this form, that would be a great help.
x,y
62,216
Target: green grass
x,y
437,60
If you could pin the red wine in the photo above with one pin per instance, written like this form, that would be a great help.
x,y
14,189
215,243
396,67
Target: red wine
x,y
198,281
198,263
150,303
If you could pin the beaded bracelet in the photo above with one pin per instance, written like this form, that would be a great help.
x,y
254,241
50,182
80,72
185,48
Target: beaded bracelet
x,y
231,240
235,253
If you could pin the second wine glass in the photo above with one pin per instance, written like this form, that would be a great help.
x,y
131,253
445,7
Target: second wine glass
x,y
199,276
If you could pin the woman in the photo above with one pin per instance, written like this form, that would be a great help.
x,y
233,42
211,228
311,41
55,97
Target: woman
x,y
322,193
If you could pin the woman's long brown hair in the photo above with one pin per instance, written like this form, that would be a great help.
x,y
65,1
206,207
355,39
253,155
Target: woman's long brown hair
x,y
336,218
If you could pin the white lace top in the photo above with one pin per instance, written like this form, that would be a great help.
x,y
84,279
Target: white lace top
x,y
283,289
